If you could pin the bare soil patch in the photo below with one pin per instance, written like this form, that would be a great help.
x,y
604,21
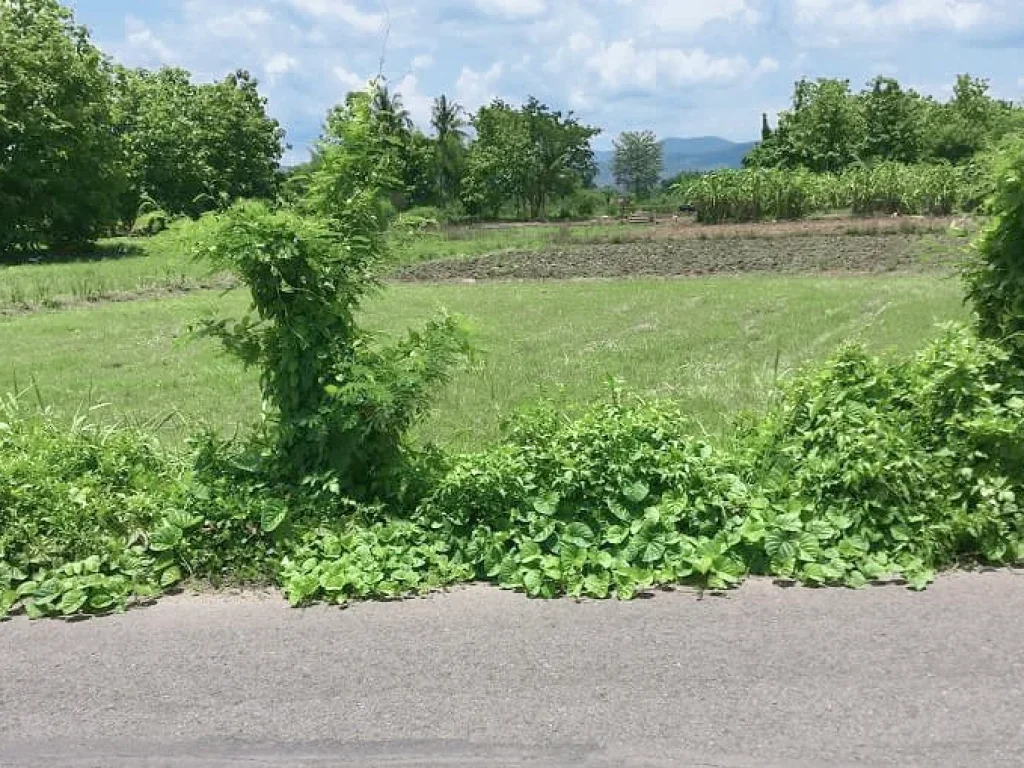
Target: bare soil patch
x,y
781,254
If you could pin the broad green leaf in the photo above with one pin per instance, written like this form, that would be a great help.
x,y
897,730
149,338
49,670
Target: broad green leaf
x,y
72,602
653,552
578,534
170,577
533,582
547,505
637,492
597,585
165,538
272,517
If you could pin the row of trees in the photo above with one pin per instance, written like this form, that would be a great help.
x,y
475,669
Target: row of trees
x,y
518,160
829,127
84,142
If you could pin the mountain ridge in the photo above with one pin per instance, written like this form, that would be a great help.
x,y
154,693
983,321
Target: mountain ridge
x,y
696,153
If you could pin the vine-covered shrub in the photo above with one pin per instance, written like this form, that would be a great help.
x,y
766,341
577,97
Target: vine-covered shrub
x,y
340,402
995,278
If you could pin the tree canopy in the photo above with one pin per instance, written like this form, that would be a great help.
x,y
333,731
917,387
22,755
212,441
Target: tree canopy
x,y
59,160
829,127
637,163
83,141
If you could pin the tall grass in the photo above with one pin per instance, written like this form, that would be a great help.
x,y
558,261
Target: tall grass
x,y
886,188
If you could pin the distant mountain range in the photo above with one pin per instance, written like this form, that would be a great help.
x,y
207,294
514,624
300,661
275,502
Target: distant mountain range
x,y
703,153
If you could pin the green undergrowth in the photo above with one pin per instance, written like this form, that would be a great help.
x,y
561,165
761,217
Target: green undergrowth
x,y
865,469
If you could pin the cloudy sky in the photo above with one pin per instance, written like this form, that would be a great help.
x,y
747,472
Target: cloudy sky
x,y
679,67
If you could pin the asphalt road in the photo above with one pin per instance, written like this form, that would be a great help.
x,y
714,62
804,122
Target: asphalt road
x,y
766,677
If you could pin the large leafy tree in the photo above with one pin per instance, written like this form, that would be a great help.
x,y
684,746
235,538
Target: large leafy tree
x,y
970,122
823,131
191,147
637,163
829,128
894,121
530,155
59,161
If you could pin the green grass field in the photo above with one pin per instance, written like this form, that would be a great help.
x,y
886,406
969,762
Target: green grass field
x,y
711,344
160,265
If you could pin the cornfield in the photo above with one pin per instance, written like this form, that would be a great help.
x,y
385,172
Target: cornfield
x,y
886,188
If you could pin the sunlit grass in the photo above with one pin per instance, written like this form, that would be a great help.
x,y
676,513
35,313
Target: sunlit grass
x,y
715,345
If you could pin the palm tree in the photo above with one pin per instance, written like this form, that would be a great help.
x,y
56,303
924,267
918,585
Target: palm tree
x,y
446,117
389,110
449,124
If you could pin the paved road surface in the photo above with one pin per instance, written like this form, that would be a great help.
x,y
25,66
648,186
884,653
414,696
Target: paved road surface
x,y
766,677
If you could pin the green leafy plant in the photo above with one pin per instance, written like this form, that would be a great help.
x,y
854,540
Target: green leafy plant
x,y
341,402
995,278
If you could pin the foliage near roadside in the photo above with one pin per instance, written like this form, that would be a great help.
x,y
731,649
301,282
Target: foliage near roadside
x,y
866,470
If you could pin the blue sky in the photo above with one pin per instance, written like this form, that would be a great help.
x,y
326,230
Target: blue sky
x,y
678,67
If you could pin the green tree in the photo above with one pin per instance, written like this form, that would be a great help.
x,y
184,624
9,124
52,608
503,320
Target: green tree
x,y
191,147
824,131
353,153
637,164
530,155
242,144
374,123
449,126
894,122
60,174
388,110
971,122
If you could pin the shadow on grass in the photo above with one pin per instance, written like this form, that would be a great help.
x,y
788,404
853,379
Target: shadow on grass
x,y
88,252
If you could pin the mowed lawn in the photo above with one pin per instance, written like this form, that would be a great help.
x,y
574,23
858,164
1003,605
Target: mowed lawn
x,y
715,345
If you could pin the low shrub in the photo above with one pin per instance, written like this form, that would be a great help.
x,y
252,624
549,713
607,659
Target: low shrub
x,y
867,469
150,223
339,403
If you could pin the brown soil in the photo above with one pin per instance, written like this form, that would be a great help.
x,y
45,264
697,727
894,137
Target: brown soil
x,y
687,227
781,253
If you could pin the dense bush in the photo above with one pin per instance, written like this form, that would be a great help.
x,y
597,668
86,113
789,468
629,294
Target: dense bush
x,y
995,278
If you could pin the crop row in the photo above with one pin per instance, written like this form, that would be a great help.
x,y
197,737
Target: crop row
x,y
886,188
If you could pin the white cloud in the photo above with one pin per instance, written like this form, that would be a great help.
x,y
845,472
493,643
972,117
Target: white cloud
x,y
687,17
474,89
350,80
242,24
144,43
579,42
620,66
423,61
624,67
512,9
343,11
280,64
845,18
